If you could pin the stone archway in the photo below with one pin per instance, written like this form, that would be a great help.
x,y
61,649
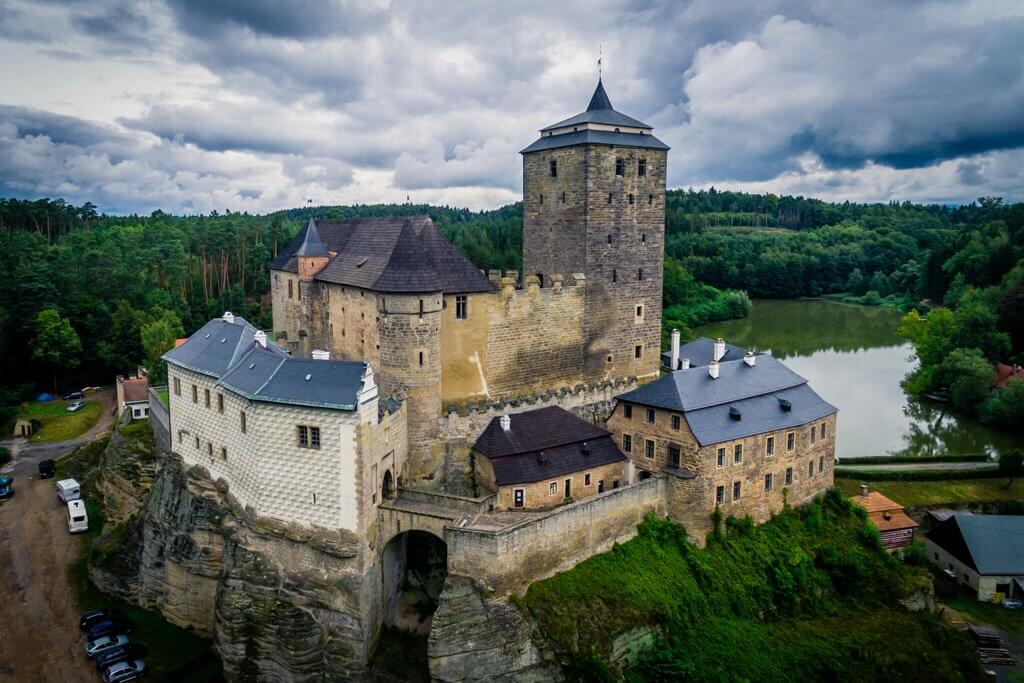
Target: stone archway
x,y
644,475
414,567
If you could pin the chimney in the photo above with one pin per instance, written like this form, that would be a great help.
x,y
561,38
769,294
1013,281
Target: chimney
x,y
863,489
684,364
261,338
675,350
228,317
713,369
506,423
320,354
719,349
750,359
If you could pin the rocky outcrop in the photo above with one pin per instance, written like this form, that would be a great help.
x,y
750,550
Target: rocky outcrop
x,y
477,638
126,468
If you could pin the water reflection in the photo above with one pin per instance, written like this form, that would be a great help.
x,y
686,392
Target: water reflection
x,y
855,360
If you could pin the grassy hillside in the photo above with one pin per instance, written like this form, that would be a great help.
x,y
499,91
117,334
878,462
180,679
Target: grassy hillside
x,y
808,596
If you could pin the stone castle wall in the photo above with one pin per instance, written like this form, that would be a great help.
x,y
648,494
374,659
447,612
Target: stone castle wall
x,y
510,559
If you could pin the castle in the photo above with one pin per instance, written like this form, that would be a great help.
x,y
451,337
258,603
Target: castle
x,y
544,393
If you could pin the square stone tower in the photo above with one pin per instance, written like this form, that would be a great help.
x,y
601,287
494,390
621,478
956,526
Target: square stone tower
x,y
594,203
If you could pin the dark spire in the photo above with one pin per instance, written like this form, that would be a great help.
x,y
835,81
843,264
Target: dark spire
x,y
312,243
600,99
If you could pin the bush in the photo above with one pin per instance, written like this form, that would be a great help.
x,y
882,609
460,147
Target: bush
x,y
1005,407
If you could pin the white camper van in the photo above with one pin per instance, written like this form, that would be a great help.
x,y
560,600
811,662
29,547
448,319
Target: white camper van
x,y
78,519
68,490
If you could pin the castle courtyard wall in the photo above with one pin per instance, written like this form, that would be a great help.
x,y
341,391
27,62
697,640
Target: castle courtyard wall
x,y
538,495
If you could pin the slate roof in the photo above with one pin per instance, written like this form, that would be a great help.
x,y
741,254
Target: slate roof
x,y
756,392
991,544
400,254
312,243
599,110
268,373
516,456
701,350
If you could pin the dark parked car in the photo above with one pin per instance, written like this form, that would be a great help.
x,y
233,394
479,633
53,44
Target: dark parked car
x,y
95,616
73,396
108,627
124,671
120,653
6,487
47,468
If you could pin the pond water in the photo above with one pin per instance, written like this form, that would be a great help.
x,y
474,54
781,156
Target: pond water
x,y
854,359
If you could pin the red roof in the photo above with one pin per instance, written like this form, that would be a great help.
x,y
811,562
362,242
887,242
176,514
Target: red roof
x,y
1004,373
135,389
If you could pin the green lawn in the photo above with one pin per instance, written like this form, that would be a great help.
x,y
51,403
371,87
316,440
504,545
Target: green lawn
x,y
930,493
1009,621
165,397
57,423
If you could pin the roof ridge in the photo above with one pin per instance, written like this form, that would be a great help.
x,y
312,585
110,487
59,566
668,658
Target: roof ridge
x,y
270,377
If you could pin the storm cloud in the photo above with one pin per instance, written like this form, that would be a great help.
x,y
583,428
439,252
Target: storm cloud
x,y
187,105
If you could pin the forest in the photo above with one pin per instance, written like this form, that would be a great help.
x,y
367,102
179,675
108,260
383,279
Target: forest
x,y
90,296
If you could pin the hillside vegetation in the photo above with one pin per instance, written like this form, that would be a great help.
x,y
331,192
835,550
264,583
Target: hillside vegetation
x,y
809,595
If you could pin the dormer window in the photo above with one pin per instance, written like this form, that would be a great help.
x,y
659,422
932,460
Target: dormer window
x,y
553,168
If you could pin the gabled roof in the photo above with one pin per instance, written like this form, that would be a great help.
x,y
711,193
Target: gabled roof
x,y
312,244
229,352
701,350
535,430
876,502
136,389
525,468
990,544
757,414
390,254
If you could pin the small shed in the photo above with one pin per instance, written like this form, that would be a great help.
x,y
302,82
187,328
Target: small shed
x,y
25,427
894,525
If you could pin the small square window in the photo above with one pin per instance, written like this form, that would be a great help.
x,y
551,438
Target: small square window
x,y
553,168
641,167
677,422
650,415
720,461
586,479
736,490
649,449
553,488
719,495
737,453
627,443
620,167
627,411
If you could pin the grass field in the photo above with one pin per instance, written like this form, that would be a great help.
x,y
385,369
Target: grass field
x,y
57,423
943,492
976,612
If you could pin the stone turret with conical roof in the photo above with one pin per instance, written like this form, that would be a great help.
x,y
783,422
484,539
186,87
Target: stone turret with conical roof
x,y
312,255
594,203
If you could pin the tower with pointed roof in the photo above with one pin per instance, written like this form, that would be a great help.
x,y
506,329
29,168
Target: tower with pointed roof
x,y
312,255
594,203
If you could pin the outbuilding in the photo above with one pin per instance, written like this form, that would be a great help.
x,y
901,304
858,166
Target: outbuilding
x,y
983,552
894,525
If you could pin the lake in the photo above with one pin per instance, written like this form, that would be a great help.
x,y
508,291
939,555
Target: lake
x,y
854,359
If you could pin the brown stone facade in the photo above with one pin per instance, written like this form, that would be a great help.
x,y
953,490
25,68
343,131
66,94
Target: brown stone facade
x,y
692,499
542,495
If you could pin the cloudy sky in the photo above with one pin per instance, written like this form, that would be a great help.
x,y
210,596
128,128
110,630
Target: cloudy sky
x,y
194,105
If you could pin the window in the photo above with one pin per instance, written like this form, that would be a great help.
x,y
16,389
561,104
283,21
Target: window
x,y
195,394
615,275
421,308
823,430
641,167
518,498
600,485
314,437
736,490
643,238
814,434
790,441
586,479
737,453
540,198
632,199
563,197
768,482
719,495
206,397
289,289
769,446
627,443
640,311
197,443
673,455
136,412
421,359
627,411
223,453
609,197
615,483
553,488
620,167
640,274
677,422
303,436
821,464
649,448
241,420
209,449
220,403
721,458
650,415
650,200
461,306
638,351
177,386
789,476
810,469
553,168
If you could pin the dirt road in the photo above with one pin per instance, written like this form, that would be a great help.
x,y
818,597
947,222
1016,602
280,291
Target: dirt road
x,y
39,636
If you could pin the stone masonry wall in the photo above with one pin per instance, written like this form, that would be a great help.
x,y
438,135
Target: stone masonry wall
x,y
510,559
538,495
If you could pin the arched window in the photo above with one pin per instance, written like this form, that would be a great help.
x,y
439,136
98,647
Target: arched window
x,y
388,488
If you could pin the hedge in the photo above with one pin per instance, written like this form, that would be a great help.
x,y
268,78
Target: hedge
x,y
919,475
910,459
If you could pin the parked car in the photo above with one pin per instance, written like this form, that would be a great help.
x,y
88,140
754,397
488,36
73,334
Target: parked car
x,y
77,405
1013,604
68,490
47,468
95,647
124,671
78,516
6,487
107,627
116,655
94,616
73,396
